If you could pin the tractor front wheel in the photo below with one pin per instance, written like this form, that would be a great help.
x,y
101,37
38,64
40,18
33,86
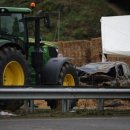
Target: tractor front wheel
x,y
67,78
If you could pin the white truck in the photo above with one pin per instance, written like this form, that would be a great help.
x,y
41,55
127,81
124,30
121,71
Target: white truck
x,y
115,32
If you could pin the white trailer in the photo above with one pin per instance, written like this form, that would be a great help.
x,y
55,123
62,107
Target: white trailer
x,y
115,32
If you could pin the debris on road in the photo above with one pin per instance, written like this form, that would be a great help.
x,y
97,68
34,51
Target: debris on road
x,y
3,113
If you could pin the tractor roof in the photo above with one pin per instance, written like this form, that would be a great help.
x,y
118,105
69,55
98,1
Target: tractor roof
x,y
14,10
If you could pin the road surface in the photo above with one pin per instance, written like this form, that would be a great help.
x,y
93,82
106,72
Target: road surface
x,y
99,123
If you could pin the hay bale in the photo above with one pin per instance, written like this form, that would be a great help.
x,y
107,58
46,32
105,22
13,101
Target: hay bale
x,y
95,46
41,104
86,103
79,51
86,51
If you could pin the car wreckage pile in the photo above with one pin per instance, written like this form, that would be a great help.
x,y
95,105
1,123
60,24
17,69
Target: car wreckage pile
x,y
104,74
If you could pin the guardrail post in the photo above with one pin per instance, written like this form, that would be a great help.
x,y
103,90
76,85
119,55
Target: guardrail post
x,y
100,104
26,106
64,105
31,106
68,105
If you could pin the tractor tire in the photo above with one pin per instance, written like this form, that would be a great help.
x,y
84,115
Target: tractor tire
x,y
67,78
14,72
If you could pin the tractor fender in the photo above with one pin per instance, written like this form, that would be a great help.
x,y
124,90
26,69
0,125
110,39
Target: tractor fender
x,y
7,43
52,69
3,42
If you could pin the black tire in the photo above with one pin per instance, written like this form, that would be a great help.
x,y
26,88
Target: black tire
x,y
67,69
14,70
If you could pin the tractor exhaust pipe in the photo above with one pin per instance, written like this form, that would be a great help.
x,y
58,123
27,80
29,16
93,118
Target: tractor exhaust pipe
x,y
37,55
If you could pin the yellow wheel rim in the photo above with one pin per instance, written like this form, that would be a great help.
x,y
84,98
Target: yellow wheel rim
x,y
13,74
68,80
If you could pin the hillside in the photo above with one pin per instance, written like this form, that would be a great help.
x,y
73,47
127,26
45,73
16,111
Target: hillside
x,y
79,19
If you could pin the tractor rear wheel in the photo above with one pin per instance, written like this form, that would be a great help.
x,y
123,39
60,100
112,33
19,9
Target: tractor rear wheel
x,y
67,78
14,72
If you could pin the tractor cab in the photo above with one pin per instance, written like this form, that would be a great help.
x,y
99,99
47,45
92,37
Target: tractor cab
x,y
12,26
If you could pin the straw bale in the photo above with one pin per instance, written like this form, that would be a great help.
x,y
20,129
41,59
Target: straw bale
x,y
77,50
86,51
86,103
42,104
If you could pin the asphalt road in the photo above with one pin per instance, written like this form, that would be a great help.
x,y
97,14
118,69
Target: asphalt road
x,y
99,123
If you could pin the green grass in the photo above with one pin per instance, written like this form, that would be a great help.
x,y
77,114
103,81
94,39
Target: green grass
x,y
76,114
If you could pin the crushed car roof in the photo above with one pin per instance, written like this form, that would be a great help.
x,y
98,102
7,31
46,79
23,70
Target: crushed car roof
x,y
96,67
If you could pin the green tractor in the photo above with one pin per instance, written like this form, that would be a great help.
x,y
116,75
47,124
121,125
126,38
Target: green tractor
x,y
23,63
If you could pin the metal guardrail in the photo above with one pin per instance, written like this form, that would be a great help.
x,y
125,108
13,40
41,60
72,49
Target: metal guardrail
x,y
64,93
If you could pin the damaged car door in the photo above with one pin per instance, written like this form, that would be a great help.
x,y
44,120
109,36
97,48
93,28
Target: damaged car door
x,y
123,74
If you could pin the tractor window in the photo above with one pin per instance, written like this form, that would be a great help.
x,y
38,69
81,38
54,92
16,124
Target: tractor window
x,y
12,25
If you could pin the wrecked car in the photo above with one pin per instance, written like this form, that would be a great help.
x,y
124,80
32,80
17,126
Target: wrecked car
x,y
104,74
